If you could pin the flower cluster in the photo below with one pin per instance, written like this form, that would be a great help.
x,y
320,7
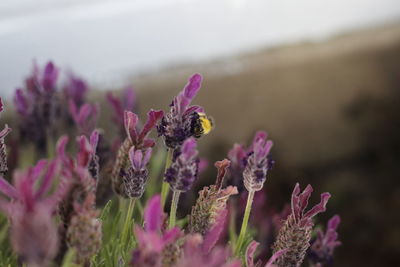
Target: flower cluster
x,y
53,208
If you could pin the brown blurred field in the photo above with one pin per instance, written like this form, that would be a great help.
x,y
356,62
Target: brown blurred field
x,y
332,110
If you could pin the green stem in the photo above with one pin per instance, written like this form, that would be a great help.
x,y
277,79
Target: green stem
x,y
128,218
243,229
174,207
165,185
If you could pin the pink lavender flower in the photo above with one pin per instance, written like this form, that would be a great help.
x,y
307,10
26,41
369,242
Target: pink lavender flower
x,y
133,156
322,248
85,117
30,209
251,248
184,168
84,231
152,240
119,105
295,233
182,121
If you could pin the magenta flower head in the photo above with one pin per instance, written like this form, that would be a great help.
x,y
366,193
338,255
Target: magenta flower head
x,y
3,149
152,240
184,121
31,208
258,163
76,90
295,233
119,105
87,153
129,173
184,168
322,248
85,117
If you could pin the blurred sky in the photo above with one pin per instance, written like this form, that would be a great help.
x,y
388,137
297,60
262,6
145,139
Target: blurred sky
x,y
105,40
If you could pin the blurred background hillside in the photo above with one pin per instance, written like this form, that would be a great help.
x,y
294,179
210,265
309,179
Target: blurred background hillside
x,y
322,77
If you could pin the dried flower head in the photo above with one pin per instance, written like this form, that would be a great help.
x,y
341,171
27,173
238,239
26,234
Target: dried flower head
x,y
258,163
133,156
33,232
211,202
323,246
84,231
184,121
295,233
184,168
152,240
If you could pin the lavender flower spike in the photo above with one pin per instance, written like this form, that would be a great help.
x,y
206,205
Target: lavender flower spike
x,y
183,171
184,121
3,150
135,179
258,163
322,248
295,233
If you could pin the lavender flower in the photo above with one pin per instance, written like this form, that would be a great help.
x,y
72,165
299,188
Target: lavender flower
x,y
127,102
295,234
322,248
184,121
85,117
84,231
258,163
30,210
238,157
3,149
76,90
251,248
152,240
133,156
38,105
211,202
183,171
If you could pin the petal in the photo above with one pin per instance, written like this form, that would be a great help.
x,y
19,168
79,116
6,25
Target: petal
x,y
152,117
212,237
320,207
130,121
153,214
250,253
274,257
7,189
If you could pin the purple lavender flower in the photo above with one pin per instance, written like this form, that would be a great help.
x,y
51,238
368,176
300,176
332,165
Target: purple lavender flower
x,y
30,209
152,240
251,249
133,156
76,90
322,248
127,102
184,121
295,233
38,105
258,163
184,168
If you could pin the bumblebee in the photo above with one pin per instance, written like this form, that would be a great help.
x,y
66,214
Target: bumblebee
x,y
201,124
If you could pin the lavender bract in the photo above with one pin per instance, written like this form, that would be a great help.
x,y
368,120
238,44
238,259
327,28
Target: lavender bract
x,y
184,168
33,231
183,121
295,233
322,248
126,174
258,163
